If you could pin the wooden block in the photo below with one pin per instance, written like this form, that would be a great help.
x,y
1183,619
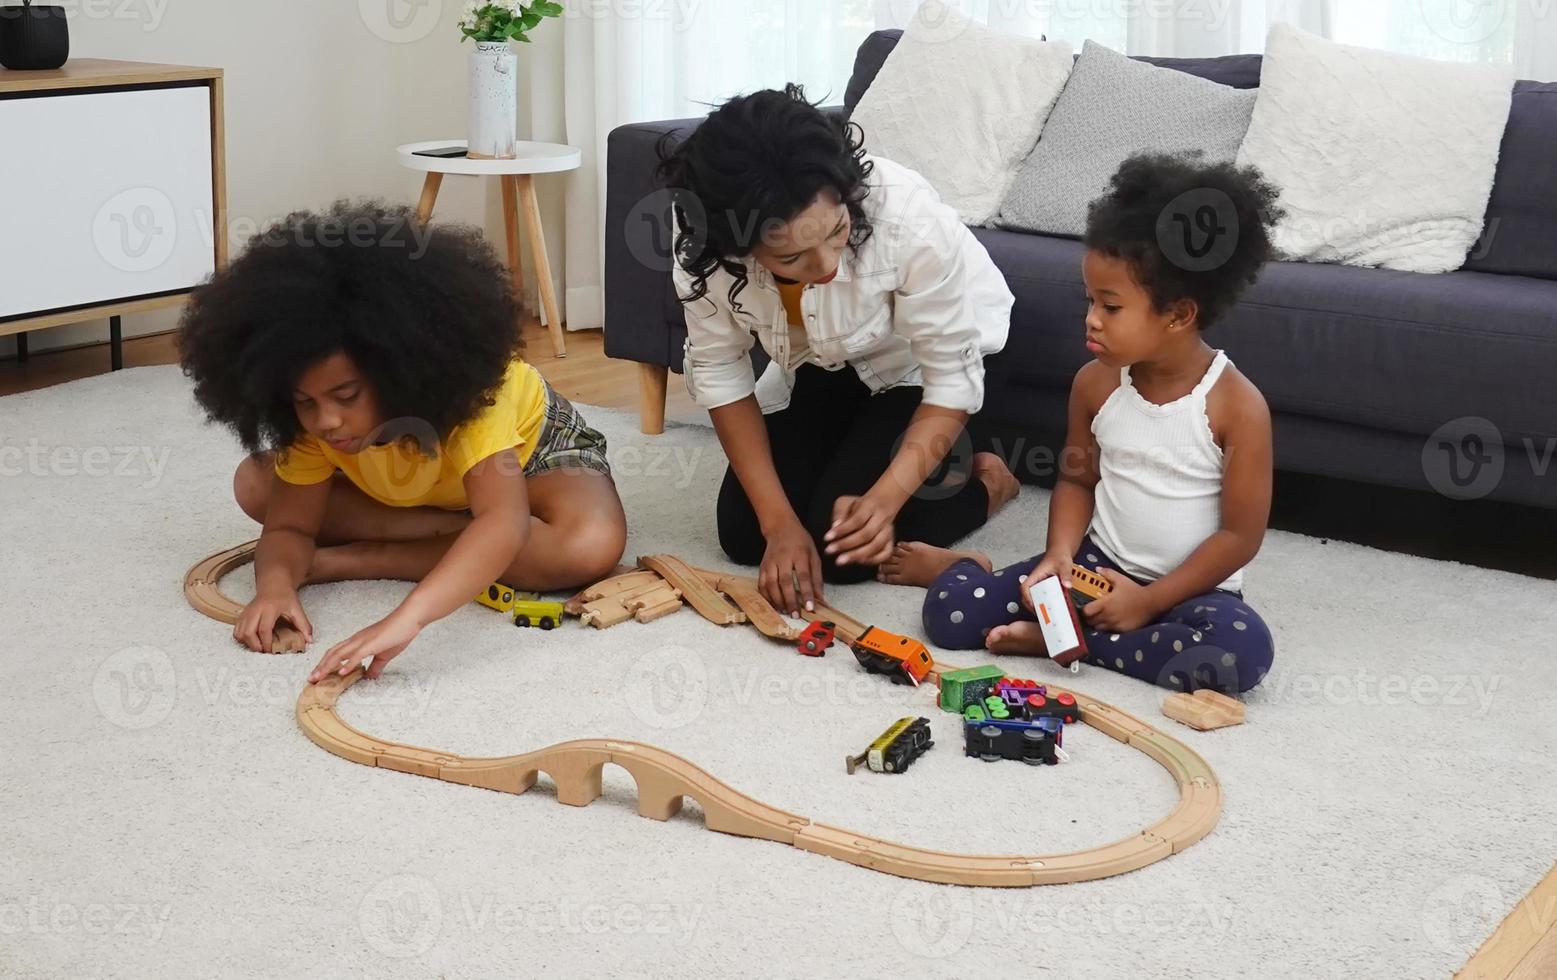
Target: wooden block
x,y
1204,710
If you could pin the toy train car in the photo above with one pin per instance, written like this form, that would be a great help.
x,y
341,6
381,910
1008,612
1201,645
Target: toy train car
x,y
816,638
992,738
1029,700
525,609
896,748
898,657
970,685
1087,586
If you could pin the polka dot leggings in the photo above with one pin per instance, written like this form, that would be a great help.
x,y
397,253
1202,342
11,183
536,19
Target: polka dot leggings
x,y
1214,640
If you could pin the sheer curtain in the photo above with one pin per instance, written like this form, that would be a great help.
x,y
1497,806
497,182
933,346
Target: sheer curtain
x,y
1518,32
622,61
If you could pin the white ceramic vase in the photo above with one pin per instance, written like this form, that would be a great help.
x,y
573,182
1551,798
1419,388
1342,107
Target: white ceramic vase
x,y
494,102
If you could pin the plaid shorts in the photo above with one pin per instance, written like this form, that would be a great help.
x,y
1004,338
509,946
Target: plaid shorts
x,y
566,441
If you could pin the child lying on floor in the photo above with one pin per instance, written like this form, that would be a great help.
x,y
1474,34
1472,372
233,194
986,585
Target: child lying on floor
x,y
371,365
1165,483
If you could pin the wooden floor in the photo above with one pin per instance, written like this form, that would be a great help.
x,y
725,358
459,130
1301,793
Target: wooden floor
x,y
585,376
1524,947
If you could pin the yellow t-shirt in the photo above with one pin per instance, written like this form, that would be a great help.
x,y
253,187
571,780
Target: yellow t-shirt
x,y
799,343
399,475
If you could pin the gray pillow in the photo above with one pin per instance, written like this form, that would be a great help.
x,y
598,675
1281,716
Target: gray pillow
x,y
1112,108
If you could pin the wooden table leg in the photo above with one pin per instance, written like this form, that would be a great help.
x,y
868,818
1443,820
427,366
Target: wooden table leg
x,y
532,220
424,207
652,382
511,229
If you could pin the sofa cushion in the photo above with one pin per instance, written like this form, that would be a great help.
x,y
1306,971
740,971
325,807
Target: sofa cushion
x,y
1399,351
962,105
1520,237
1112,108
1382,159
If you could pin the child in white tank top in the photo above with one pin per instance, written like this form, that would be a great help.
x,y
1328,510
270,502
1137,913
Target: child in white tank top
x,y
1165,482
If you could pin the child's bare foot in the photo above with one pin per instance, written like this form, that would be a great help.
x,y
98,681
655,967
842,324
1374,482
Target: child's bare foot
x,y
1002,484
1018,637
919,564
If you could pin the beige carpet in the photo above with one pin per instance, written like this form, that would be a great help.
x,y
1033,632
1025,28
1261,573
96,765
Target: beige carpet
x,y
1392,796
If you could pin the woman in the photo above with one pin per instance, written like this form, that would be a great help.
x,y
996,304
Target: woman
x,y
876,306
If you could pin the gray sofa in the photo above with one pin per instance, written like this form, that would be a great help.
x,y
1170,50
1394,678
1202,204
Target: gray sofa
x,y
1392,378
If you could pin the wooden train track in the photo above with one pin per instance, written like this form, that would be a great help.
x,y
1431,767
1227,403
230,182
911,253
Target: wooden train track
x,y
665,780
200,588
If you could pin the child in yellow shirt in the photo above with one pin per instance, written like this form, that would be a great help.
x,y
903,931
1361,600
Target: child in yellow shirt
x,y
371,366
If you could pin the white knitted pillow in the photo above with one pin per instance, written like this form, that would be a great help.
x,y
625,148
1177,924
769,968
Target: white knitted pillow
x,y
1382,159
963,105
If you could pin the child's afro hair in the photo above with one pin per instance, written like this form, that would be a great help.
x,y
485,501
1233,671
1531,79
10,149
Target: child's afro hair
x,y
1169,218
427,313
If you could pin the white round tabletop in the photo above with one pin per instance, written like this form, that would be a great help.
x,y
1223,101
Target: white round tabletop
x,y
534,158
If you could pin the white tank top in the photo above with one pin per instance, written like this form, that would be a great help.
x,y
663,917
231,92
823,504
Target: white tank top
x,y
1160,495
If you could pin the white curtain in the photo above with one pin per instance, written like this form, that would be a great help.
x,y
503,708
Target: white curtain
x,y
619,62
1518,32
623,61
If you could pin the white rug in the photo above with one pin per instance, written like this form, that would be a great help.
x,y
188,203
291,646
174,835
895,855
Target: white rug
x,y
1392,796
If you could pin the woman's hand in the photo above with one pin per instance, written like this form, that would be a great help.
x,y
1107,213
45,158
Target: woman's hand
x,y
862,531
791,573
1128,607
1049,564
256,626
383,642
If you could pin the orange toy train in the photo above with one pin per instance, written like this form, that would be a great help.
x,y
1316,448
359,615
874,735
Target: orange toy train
x,y
899,657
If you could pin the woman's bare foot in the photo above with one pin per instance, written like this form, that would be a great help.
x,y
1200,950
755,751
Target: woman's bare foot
x,y
1002,484
919,564
1021,636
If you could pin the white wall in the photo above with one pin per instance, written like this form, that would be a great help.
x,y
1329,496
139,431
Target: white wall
x,y
318,95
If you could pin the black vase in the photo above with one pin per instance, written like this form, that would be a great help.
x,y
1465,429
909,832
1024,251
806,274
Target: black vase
x,y
33,37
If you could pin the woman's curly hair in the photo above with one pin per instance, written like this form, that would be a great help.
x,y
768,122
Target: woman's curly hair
x,y
1170,217
758,159
427,313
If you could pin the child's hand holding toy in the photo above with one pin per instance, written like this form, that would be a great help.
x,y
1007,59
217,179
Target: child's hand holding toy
x,y
1128,607
256,627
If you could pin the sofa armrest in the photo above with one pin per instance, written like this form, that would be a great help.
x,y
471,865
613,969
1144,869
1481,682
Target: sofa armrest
x,y
638,246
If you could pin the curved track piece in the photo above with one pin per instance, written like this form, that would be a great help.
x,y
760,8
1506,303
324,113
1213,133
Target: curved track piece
x,y
200,588
709,603
664,780
759,612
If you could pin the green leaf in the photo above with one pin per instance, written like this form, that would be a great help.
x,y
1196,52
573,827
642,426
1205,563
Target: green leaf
x,y
530,19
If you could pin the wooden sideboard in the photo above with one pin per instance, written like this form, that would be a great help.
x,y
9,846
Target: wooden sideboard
x,y
113,192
